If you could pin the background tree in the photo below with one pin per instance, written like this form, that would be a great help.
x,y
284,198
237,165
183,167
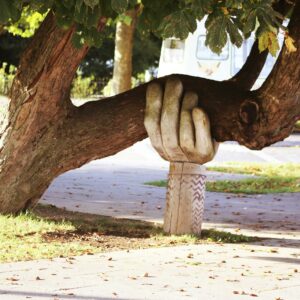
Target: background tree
x,y
44,135
100,62
97,65
122,73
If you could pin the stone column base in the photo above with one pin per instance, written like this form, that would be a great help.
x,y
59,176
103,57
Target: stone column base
x,y
185,199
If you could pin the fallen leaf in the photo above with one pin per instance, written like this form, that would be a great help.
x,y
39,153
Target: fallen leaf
x,y
12,279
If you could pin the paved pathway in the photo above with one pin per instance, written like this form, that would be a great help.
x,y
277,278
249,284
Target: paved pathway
x,y
207,272
269,269
117,191
115,186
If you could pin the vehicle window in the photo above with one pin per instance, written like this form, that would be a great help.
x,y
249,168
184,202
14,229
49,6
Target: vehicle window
x,y
240,55
203,52
173,50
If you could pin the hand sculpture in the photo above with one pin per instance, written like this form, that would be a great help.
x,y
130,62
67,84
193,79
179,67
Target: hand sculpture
x,y
178,129
180,133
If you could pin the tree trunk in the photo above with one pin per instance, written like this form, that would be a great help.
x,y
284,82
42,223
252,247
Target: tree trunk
x,y
44,135
29,138
122,73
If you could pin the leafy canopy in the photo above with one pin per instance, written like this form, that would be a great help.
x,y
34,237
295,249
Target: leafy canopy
x,y
235,20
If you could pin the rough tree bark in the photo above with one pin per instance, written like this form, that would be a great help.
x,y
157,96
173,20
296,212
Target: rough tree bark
x,y
122,73
39,104
44,135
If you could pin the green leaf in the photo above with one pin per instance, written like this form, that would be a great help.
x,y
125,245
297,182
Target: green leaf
x,y
93,17
119,6
250,24
7,11
78,5
234,34
268,40
91,3
216,37
178,24
126,19
77,40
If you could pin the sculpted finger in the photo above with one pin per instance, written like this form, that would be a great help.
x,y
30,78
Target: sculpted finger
x,y
204,142
187,130
170,120
154,101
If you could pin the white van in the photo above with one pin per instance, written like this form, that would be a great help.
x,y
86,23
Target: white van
x,y
192,57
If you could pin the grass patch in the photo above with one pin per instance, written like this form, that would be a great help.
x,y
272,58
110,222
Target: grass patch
x,y
50,232
297,126
273,178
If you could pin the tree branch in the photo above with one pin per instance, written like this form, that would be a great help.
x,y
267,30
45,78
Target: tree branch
x,y
255,62
105,127
251,69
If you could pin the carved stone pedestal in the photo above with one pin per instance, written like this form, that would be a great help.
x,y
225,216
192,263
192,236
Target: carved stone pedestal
x,y
185,199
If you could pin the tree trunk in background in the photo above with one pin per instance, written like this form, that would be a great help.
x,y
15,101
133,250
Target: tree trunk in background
x,y
44,135
122,73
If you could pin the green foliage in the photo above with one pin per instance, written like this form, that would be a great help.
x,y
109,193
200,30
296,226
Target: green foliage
x,y
226,237
10,9
50,232
83,87
233,19
268,40
27,24
119,6
99,62
179,24
6,78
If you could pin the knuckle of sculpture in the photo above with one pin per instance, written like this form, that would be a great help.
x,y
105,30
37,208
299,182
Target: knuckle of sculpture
x,y
204,158
176,83
154,88
191,94
174,79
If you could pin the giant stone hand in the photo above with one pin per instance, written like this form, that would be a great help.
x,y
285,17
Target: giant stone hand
x,y
178,129
180,132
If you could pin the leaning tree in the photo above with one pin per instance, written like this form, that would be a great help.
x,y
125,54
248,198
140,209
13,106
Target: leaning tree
x,y
44,135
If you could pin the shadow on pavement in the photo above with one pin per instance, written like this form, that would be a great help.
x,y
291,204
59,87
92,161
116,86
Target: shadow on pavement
x,y
51,295
278,259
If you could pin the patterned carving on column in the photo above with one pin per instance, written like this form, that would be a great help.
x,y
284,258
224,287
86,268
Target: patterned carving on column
x,y
185,199
198,198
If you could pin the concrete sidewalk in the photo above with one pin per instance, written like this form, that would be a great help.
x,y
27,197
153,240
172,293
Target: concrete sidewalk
x,y
115,189
269,269
191,272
